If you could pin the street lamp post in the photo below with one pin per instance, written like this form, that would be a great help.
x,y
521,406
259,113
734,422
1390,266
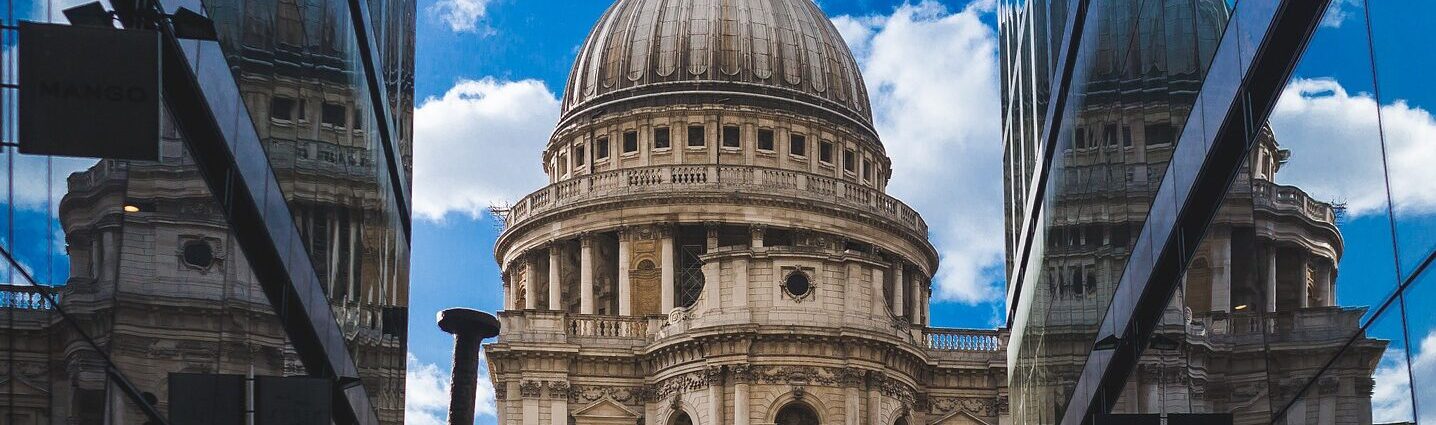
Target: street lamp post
x,y
469,327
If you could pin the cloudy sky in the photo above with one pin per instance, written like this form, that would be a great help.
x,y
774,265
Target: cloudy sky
x,y
490,72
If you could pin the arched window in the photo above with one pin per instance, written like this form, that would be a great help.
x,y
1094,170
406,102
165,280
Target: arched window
x,y
796,414
681,418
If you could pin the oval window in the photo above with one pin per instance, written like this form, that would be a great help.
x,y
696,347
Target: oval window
x,y
797,284
198,254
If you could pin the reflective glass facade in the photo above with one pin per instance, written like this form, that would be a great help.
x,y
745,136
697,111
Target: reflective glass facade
x,y
1215,209
275,245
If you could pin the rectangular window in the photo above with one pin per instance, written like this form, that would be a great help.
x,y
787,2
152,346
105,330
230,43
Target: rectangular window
x,y
867,170
797,145
281,108
1080,138
695,136
825,151
660,138
731,137
332,115
1158,134
630,141
302,112
765,139
1127,136
848,160
358,120
578,154
1109,135
600,148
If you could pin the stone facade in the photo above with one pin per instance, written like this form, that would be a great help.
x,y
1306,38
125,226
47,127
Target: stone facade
x,y
715,245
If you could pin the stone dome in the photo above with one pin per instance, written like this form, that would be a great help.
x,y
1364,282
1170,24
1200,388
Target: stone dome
x,y
778,52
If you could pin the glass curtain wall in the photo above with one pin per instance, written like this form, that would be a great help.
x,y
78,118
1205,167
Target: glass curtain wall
x,y
131,266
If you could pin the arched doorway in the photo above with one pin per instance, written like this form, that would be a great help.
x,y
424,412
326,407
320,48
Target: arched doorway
x,y
796,414
680,418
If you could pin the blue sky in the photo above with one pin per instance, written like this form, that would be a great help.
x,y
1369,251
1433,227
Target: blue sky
x,y
486,83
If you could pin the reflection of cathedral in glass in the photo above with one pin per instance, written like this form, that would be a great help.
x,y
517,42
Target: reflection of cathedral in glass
x,y
160,283
1259,291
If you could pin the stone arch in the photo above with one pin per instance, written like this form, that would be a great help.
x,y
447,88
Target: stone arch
x,y
679,408
798,397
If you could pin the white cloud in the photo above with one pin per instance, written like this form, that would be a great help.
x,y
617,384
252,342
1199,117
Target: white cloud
x,y
1337,13
1337,153
462,15
480,144
426,393
1391,397
938,118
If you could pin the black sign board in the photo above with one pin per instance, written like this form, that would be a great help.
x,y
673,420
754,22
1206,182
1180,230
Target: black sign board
x,y
87,91
1130,419
293,400
206,399
1199,419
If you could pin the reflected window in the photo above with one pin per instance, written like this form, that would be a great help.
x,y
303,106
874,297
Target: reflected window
x,y
1158,134
765,139
331,114
796,414
798,145
198,254
660,138
281,108
291,31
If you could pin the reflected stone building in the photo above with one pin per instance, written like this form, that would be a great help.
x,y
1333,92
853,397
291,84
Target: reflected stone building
x,y
156,277
715,245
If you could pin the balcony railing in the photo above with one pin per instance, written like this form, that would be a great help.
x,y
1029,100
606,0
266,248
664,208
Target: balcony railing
x,y
714,178
948,339
24,297
1276,197
606,326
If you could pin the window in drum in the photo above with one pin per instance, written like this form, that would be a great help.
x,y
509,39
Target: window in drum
x,y
732,137
849,160
660,138
798,145
578,157
332,115
600,148
695,136
825,152
281,108
867,170
765,139
630,141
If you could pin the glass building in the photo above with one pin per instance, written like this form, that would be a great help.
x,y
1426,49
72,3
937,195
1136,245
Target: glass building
x,y
1218,207
269,239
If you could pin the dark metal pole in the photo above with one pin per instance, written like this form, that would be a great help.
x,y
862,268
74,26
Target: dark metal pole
x,y
469,327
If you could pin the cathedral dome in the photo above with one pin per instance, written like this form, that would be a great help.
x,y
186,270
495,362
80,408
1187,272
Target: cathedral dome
x,y
780,52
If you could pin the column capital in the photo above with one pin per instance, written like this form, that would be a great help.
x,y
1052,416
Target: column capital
x,y
621,232
585,239
742,373
758,229
713,375
558,389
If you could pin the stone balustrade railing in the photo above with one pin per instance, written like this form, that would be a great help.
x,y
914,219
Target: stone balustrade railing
x,y
1269,195
25,297
716,178
590,325
1301,325
949,339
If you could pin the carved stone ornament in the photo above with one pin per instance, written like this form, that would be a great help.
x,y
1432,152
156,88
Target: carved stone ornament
x,y
501,391
558,389
591,393
530,389
742,374
713,375
799,392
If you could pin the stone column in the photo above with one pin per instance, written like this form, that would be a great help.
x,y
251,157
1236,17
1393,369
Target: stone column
x,y
879,304
914,283
898,293
508,291
758,231
714,377
1271,280
1221,260
558,407
531,266
712,228
555,286
625,287
1303,279
875,401
852,402
666,257
740,283
741,378
585,274
1331,284
530,390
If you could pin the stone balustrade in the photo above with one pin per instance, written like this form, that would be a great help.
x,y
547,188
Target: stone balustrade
x,y
1281,198
583,190
592,325
1299,325
25,297
951,339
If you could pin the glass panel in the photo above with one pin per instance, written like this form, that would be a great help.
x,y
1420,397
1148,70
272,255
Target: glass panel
x,y
1368,383
1421,355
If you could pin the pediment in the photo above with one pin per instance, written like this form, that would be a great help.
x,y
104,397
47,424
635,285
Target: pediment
x,y
605,408
959,417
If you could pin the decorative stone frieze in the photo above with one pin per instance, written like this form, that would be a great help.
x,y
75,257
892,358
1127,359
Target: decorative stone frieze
x,y
531,389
